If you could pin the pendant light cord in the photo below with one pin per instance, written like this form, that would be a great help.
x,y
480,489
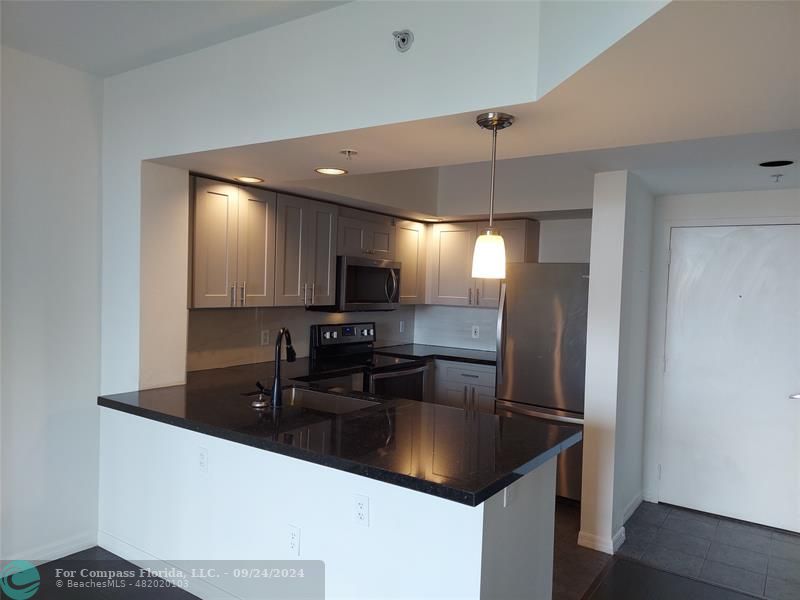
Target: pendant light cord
x,y
491,189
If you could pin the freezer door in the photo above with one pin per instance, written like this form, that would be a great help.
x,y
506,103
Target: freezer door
x,y
541,331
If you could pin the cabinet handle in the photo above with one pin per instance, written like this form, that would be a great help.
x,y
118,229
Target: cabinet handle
x,y
470,296
465,397
473,400
233,294
243,299
313,290
470,375
478,296
305,294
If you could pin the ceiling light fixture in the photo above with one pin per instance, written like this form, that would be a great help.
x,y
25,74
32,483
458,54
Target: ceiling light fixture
x,y
331,171
489,257
776,163
246,179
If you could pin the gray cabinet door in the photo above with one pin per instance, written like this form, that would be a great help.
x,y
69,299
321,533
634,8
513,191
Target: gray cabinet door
x,y
214,247
381,240
452,246
410,253
291,287
318,255
256,247
352,237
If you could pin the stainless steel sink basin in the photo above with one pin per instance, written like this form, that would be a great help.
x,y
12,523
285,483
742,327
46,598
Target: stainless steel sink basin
x,y
323,401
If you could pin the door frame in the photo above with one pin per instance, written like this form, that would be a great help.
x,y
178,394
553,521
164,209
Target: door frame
x,y
774,207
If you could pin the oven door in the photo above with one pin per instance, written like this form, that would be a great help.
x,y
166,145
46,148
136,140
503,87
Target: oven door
x,y
367,284
407,383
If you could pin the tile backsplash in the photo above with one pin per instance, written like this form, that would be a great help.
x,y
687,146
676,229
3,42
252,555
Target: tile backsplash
x,y
228,337
452,326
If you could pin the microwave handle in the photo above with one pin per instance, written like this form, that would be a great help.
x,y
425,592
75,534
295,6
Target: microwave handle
x,y
394,285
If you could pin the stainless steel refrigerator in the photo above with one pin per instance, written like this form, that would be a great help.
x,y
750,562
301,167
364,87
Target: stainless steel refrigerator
x,y
541,351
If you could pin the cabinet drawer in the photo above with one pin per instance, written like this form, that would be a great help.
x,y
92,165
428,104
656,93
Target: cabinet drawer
x,y
468,374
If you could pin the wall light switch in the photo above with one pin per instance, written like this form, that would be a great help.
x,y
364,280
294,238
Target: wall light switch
x,y
264,337
402,326
476,332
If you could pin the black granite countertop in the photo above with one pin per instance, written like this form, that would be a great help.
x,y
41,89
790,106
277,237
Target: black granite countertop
x,y
440,450
482,357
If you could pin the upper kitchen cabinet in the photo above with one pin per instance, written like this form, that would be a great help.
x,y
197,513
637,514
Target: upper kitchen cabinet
x,y
366,234
233,246
410,253
305,257
451,251
451,261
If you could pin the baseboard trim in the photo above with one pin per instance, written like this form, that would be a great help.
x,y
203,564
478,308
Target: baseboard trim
x,y
631,508
602,544
198,587
59,549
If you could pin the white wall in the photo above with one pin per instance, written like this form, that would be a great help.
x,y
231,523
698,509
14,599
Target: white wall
x,y
565,240
523,185
452,326
621,233
50,306
164,274
573,33
733,208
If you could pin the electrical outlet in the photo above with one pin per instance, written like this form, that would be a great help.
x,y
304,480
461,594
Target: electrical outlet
x,y
402,326
264,337
294,540
476,332
361,510
202,460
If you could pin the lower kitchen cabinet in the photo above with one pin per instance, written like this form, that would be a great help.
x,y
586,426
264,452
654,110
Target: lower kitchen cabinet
x,y
465,385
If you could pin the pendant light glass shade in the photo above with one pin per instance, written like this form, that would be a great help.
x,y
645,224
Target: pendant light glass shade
x,y
489,258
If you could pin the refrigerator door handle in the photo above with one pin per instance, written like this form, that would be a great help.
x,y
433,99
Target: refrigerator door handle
x,y
501,337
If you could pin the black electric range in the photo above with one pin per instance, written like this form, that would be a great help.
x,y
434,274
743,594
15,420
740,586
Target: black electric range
x,y
349,348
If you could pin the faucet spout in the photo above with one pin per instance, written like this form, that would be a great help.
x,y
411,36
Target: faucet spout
x,y
291,356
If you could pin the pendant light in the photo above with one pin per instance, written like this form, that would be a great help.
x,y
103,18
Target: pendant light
x,y
489,257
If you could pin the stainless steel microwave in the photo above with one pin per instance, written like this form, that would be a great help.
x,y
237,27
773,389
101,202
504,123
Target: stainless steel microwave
x,y
366,284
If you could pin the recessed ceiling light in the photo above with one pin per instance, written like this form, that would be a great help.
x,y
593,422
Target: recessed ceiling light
x,y
776,163
330,171
245,179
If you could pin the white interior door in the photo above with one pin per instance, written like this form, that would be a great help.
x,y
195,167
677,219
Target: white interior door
x,y
730,439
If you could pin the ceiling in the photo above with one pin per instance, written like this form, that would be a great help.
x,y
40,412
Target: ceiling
x,y
109,37
709,75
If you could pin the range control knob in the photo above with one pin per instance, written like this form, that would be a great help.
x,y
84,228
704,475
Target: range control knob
x,y
365,332
372,332
335,334
327,335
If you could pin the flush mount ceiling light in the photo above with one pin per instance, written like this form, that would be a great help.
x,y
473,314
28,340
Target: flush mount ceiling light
x,y
489,257
247,179
776,163
331,171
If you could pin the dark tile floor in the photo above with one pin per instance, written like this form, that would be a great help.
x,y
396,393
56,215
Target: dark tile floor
x,y
631,580
748,558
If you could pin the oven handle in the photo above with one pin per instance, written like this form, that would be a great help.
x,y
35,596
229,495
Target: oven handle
x,y
376,376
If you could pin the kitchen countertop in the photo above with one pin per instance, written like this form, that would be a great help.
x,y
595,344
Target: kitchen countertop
x,y
482,357
440,450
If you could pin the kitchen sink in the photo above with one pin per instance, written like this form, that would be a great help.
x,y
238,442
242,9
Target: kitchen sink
x,y
323,401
